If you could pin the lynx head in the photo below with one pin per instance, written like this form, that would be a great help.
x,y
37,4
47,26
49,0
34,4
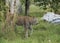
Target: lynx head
x,y
35,21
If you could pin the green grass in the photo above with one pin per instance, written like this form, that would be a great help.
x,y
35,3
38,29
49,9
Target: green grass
x,y
44,32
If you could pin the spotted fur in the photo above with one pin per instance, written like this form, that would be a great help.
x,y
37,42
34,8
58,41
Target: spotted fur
x,y
27,22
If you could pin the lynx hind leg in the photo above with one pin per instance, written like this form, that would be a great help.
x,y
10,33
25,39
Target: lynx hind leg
x,y
30,30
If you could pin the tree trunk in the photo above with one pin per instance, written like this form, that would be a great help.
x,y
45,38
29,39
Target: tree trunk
x,y
27,4
14,6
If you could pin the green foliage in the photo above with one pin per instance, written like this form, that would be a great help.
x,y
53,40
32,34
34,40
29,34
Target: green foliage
x,y
44,32
54,4
22,1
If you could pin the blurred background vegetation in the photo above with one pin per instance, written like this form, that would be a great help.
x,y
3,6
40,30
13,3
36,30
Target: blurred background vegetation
x,y
44,32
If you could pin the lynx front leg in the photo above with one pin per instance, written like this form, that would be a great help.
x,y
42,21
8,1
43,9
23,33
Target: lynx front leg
x,y
26,31
31,30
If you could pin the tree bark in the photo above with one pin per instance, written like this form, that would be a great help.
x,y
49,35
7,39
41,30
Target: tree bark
x,y
14,6
27,4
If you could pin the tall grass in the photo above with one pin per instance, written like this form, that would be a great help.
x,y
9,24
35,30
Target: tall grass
x,y
44,32
7,26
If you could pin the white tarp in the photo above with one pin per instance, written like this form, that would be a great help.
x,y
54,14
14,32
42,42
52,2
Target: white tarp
x,y
51,17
